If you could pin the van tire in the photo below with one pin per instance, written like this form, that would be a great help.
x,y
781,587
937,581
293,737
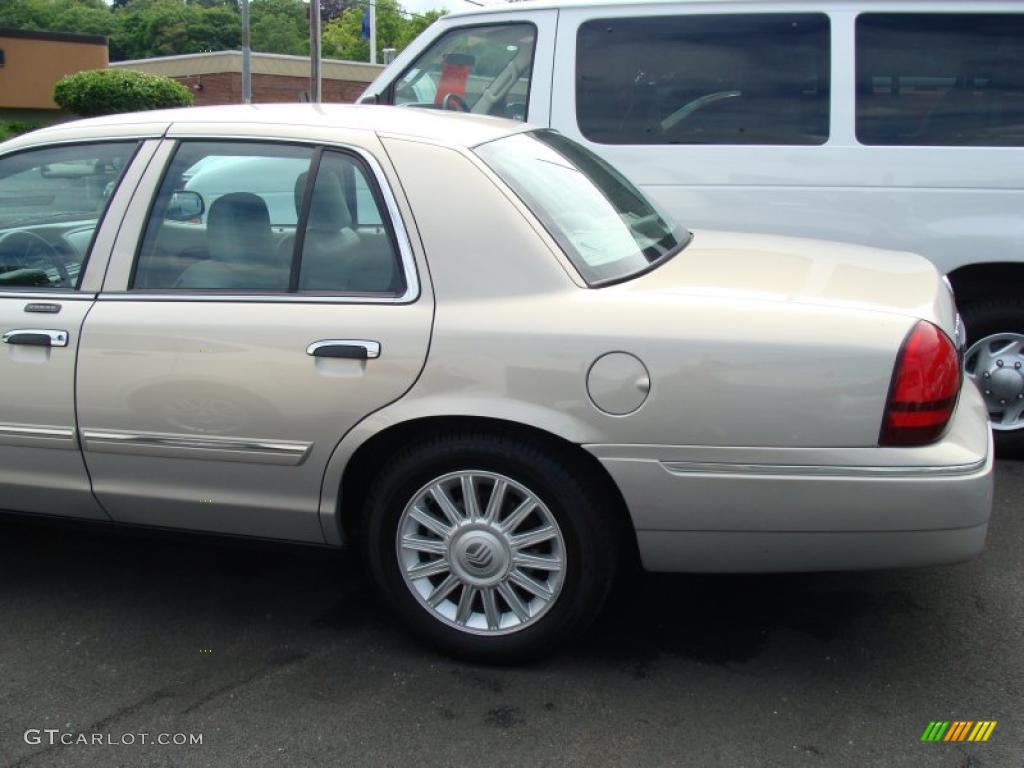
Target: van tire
x,y
990,318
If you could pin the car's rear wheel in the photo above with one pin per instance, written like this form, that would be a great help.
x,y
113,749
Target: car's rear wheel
x,y
995,362
491,547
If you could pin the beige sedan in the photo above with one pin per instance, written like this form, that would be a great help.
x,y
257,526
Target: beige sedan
x,y
474,349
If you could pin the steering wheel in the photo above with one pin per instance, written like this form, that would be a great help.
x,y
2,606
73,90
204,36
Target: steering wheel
x,y
28,242
458,101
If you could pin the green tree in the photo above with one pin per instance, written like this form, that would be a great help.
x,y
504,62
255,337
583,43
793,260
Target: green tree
x,y
342,38
147,28
140,29
109,91
89,17
279,26
416,24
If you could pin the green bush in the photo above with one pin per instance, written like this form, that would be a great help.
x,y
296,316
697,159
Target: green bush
x,y
11,128
109,91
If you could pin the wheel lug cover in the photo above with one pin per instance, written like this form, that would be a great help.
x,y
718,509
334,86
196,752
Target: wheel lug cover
x,y
996,364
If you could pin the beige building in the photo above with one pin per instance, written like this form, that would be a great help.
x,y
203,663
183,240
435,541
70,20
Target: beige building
x,y
216,78
32,62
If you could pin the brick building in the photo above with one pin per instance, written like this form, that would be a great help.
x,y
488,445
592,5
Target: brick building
x,y
32,62
216,78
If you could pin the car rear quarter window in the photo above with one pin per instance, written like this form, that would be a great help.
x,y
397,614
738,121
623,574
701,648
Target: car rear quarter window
x,y
704,79
605,225
940,79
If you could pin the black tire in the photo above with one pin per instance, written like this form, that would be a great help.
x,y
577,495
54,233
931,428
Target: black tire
x,y
564,483
986,318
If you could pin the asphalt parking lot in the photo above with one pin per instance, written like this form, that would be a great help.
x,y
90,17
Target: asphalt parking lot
x,y
281,656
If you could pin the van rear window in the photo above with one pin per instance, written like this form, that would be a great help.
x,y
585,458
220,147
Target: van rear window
x,y
940,79
704,79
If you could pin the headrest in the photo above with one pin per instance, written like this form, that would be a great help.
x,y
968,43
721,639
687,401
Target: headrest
x,y
328,211
238,228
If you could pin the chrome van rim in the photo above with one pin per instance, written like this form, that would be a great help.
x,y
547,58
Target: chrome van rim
x,y
996,364
481,552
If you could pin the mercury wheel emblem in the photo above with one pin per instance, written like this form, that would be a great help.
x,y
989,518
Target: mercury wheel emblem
x,y
479,556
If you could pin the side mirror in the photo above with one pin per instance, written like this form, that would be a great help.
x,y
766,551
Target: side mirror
x,y
185,205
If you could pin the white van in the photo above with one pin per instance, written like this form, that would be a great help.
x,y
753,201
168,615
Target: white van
x,y
897,124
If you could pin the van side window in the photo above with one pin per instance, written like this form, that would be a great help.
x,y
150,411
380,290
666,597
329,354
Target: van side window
x,y
483,70
704,79
940,79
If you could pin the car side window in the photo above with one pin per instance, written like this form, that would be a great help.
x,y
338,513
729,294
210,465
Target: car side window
x,y
484,70
224,219
242,217
704,79
51,203
940,79
345,246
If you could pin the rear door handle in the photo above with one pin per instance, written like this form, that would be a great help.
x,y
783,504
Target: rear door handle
x,y
37,337
352,349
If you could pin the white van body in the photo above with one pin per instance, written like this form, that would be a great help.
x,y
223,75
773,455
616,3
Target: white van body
x,y
958,200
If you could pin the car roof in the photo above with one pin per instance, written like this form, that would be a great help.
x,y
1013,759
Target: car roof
x,y
436,126
809,5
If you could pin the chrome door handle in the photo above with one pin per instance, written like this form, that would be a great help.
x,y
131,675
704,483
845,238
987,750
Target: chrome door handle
x,y
37,337
352,349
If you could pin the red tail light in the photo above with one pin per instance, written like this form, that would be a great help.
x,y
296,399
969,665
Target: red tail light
x,y
924,388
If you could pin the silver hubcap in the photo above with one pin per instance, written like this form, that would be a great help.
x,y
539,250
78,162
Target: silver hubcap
x,y
481,552
996,364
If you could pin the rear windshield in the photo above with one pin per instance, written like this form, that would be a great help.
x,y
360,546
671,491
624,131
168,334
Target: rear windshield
x,y
605,225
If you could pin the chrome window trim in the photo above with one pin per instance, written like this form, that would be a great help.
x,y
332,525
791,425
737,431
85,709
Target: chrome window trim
x,y
48,296
248,298
406,256
815,470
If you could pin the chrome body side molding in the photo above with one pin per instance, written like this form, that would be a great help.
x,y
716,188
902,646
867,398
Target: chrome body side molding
x,y
38,436
798,470
196,447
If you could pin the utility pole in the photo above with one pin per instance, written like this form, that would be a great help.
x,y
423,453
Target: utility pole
x,y
373,31
246,56
314,51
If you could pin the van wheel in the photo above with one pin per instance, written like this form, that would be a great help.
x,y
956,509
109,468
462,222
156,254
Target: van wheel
x,y
492,548
995,361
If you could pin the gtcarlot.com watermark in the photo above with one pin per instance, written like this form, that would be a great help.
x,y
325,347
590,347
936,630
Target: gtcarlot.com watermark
x,y
55,736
